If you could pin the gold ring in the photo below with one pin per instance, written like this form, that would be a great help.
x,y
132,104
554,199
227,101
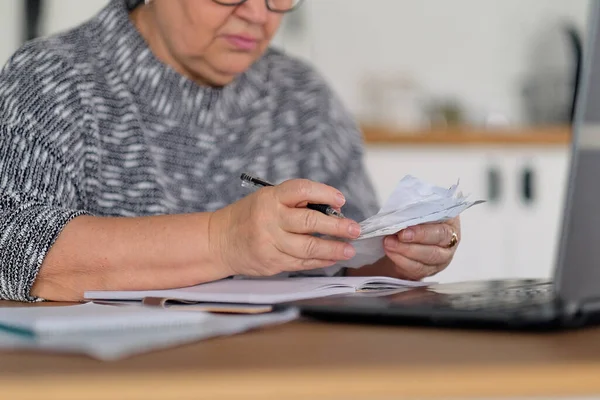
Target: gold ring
x,y
453,240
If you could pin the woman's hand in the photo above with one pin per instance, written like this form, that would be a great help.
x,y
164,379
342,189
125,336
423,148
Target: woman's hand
x,y
270,231
417,252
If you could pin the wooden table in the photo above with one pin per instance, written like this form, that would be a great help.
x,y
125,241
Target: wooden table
x,y
309,360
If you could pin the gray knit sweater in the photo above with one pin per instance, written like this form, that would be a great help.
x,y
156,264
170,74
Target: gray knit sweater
x,y
92,123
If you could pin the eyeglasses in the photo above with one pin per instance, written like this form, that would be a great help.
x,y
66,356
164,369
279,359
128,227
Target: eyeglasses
x,y
278,6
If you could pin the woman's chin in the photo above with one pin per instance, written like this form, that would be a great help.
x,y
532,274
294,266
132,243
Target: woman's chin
x,y
226,76
234,63
222,72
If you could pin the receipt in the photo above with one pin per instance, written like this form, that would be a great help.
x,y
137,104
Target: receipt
x,y
412,203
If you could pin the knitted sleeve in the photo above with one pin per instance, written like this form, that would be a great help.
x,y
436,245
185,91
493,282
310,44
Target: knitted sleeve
x,y
40,123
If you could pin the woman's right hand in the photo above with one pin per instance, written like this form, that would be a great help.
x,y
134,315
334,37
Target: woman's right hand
x,y
271,231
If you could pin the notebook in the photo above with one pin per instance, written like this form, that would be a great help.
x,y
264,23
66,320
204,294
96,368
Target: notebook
x,y
89,317
184,305
262,291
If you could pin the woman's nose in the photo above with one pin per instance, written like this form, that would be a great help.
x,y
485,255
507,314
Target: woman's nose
x,y
254,11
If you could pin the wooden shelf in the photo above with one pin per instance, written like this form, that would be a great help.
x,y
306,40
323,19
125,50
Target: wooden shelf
x,y
553,136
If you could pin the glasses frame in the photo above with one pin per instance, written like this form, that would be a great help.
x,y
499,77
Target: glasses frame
x,y
239,2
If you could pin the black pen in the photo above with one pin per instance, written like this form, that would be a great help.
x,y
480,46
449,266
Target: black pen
x,y
256,183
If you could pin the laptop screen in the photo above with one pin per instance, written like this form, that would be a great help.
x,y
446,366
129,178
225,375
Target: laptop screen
x,y
578,262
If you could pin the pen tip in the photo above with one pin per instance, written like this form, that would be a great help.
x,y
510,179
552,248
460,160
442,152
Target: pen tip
x,y
337,214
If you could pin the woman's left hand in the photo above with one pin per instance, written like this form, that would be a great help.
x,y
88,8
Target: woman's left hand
x,y
417,252
423,250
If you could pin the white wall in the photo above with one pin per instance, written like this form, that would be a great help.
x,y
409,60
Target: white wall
x,y
63,14
477,50
10,17
59,15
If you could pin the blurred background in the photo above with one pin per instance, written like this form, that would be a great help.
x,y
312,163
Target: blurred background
x,y
479,91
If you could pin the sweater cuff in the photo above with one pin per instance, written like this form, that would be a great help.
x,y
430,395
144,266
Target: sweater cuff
x,y
26,235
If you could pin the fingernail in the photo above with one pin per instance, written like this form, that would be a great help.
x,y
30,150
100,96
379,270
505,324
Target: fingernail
x,y
341,200
349,251
408,235
391,242
354,230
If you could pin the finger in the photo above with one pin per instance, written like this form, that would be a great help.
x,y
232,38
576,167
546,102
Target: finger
x,y
432,234
307,221
455,225
297,264
308,247
411,269
286,263
425,254
292,264
299,192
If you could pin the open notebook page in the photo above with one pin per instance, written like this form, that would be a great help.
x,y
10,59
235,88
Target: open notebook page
x,y
262,291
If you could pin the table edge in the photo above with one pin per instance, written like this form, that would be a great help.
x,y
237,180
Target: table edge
x,y
484,381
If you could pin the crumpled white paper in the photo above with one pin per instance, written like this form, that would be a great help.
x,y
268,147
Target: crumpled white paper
x,y
412,203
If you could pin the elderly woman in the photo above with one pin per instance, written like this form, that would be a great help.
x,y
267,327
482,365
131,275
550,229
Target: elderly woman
x,y
122,142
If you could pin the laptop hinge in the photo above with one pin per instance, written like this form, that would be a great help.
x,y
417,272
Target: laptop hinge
x,y
578,309
590,305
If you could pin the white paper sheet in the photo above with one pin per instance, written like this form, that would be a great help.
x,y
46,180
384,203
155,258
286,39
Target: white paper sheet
x,y
89,317
122,342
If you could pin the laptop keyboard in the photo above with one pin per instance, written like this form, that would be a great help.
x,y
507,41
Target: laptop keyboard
x,y
503,299
500,298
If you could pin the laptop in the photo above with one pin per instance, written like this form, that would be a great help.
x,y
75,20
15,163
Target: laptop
x,y
570,299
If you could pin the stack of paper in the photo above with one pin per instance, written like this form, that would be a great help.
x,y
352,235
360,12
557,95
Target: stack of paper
x,y
114,332
413,202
